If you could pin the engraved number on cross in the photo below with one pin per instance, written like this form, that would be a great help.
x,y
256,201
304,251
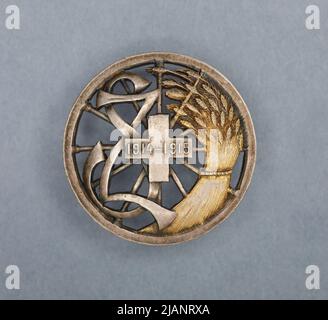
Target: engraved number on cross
x,y
158,148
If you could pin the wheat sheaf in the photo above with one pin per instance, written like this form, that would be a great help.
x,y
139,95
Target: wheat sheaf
x,y
210,114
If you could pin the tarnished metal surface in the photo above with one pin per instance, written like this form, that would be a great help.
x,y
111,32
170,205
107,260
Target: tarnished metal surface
x,y
182,93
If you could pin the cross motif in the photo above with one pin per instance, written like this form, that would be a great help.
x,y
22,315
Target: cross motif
x,y
159,148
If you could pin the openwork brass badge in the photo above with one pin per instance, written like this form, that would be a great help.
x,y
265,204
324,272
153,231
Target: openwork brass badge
x,y
159,148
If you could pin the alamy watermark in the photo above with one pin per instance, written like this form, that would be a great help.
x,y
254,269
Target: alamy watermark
x,y
12,21
312,278
312,281
312,21
12,280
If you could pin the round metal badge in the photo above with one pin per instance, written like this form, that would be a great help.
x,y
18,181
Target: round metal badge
x,y
159,148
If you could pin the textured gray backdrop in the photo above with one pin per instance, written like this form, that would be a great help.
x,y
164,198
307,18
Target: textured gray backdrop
x,y
278,66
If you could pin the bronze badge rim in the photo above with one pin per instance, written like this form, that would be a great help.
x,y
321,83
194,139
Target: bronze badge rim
x,y
70,134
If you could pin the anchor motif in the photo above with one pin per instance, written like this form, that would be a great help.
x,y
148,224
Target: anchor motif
x,y
163,216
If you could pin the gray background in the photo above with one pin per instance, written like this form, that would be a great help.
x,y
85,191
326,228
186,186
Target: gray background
x,y
279,67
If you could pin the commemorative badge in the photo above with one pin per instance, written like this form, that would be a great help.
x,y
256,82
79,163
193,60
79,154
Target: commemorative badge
x,y
159,148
